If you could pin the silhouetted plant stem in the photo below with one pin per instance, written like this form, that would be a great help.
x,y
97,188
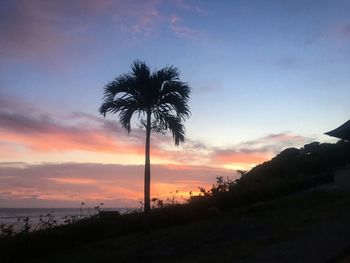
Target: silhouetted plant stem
x,y
147,167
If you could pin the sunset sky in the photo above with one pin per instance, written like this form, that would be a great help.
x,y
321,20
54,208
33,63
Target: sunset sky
x,y
265,75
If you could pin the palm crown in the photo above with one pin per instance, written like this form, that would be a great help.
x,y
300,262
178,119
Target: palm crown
x,y
159,94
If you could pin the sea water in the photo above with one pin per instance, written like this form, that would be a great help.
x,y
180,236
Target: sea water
x,y
16,216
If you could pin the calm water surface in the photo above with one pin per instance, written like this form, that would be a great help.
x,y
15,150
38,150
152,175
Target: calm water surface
x,y
12,215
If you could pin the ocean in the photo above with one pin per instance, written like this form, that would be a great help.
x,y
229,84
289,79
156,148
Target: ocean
x,y
16,216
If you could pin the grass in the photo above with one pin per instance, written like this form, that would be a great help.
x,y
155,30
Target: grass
x,y
228,237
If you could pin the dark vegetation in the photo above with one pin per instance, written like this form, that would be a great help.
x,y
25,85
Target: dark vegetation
x,y
228,216
290,171
49,220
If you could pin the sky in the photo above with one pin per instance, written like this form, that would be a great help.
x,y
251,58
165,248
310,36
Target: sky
x,y
265,76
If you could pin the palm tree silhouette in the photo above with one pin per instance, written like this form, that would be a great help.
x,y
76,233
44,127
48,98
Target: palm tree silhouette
x,y
158,98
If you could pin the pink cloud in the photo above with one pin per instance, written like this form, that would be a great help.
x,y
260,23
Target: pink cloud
x,y
138,17
48,28
74,183
73,180
275,142
187,6
8,149
236,157
38,132
53,30
30,28
174,19
41,132
251,153
35,132
182,30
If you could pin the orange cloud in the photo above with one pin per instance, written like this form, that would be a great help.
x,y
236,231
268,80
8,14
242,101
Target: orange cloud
x,y
114,185
73,180
230,157
44,134
37,133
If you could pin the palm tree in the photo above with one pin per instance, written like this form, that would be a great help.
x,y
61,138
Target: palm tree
x,y
158,98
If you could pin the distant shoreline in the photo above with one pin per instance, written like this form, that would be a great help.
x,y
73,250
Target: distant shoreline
x,y
16,216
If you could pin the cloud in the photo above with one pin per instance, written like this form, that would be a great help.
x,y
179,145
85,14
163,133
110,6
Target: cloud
x,y
244,155
53,30
73,183
35,133
73,180
44,134
188,6
182,30
138,17
30,28
274,142
247,154
150,19
38,131
240,157
10,103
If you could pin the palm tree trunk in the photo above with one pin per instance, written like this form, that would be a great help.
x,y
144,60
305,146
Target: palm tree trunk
x,y
147,190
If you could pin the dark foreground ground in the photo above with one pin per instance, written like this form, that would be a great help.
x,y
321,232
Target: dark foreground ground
x,y
308,227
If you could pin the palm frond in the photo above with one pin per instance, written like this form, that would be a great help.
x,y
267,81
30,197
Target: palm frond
x,y
177,87
140,70
167,74
174,102
125,118
173,124
176,128
124,106
123,84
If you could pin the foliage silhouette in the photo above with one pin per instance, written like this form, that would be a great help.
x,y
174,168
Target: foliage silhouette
x,y
158,98
290,171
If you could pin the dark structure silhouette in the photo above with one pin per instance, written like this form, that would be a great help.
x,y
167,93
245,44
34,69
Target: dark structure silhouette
x,y
158,98
342,132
